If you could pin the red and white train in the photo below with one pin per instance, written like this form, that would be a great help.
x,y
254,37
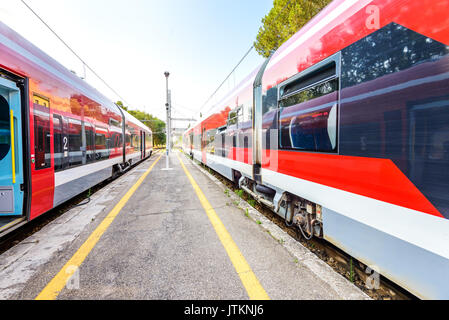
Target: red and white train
x,y
344,132
58,135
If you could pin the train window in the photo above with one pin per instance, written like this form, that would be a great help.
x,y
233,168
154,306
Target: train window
x,y
115,123
248,113
75,142
5,128
41,114
203,139
90,142
58,142
115,140
135,142
308,119
139,142
100,141
147,140
314,92
119,140
308,111
310,79
210,138
235,116
395,106
101,147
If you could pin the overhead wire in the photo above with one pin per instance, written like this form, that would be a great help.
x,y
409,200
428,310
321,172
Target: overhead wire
x,y
243,58
73,51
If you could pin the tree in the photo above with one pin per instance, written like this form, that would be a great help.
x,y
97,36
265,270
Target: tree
x,y
156,125
284,20
121,105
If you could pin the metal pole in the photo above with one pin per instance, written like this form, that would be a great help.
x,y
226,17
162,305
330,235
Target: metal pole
x,y
169,121
167,126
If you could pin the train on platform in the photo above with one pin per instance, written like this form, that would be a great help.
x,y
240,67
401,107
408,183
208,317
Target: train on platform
x,y
58,135
344,133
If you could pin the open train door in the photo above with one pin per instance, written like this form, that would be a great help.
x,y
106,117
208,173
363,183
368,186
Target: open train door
x,y
11,151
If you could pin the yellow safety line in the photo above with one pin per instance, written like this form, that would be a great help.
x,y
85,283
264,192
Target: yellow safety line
x,y
54,287
249,280
13,155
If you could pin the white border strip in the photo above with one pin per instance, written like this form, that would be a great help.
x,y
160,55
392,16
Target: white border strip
x,y
65,176
244,168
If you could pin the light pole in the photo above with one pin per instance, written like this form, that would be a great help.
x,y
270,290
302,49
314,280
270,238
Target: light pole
x,y
167,107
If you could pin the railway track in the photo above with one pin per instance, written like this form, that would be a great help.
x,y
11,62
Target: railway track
x,y
349,267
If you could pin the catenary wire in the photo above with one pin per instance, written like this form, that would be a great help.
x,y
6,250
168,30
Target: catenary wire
x,y
84,63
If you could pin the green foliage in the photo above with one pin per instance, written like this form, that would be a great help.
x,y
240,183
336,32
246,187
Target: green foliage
x,y
284,20
252,202
239,192
156,125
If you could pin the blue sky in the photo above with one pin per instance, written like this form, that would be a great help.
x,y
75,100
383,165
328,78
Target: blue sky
x,y
131,43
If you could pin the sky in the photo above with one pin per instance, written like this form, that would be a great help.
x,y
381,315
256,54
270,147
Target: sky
x,y
131,43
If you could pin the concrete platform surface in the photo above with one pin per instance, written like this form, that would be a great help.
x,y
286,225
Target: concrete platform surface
x,y
162,245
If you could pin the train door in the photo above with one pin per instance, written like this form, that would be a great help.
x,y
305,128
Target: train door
x,y
61,143
89,136
42,172
11,155
203,145
142,143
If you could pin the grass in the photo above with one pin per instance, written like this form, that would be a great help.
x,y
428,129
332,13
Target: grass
x,y
252,202
259,222
239,192
247,213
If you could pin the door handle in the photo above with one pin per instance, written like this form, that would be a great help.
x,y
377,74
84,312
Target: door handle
x,y
13,155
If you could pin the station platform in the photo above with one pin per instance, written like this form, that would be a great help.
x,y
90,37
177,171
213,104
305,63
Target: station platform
x,y
165,234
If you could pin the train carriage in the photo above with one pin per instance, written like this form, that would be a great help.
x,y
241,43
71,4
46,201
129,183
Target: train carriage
x,y
59,136
346,135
